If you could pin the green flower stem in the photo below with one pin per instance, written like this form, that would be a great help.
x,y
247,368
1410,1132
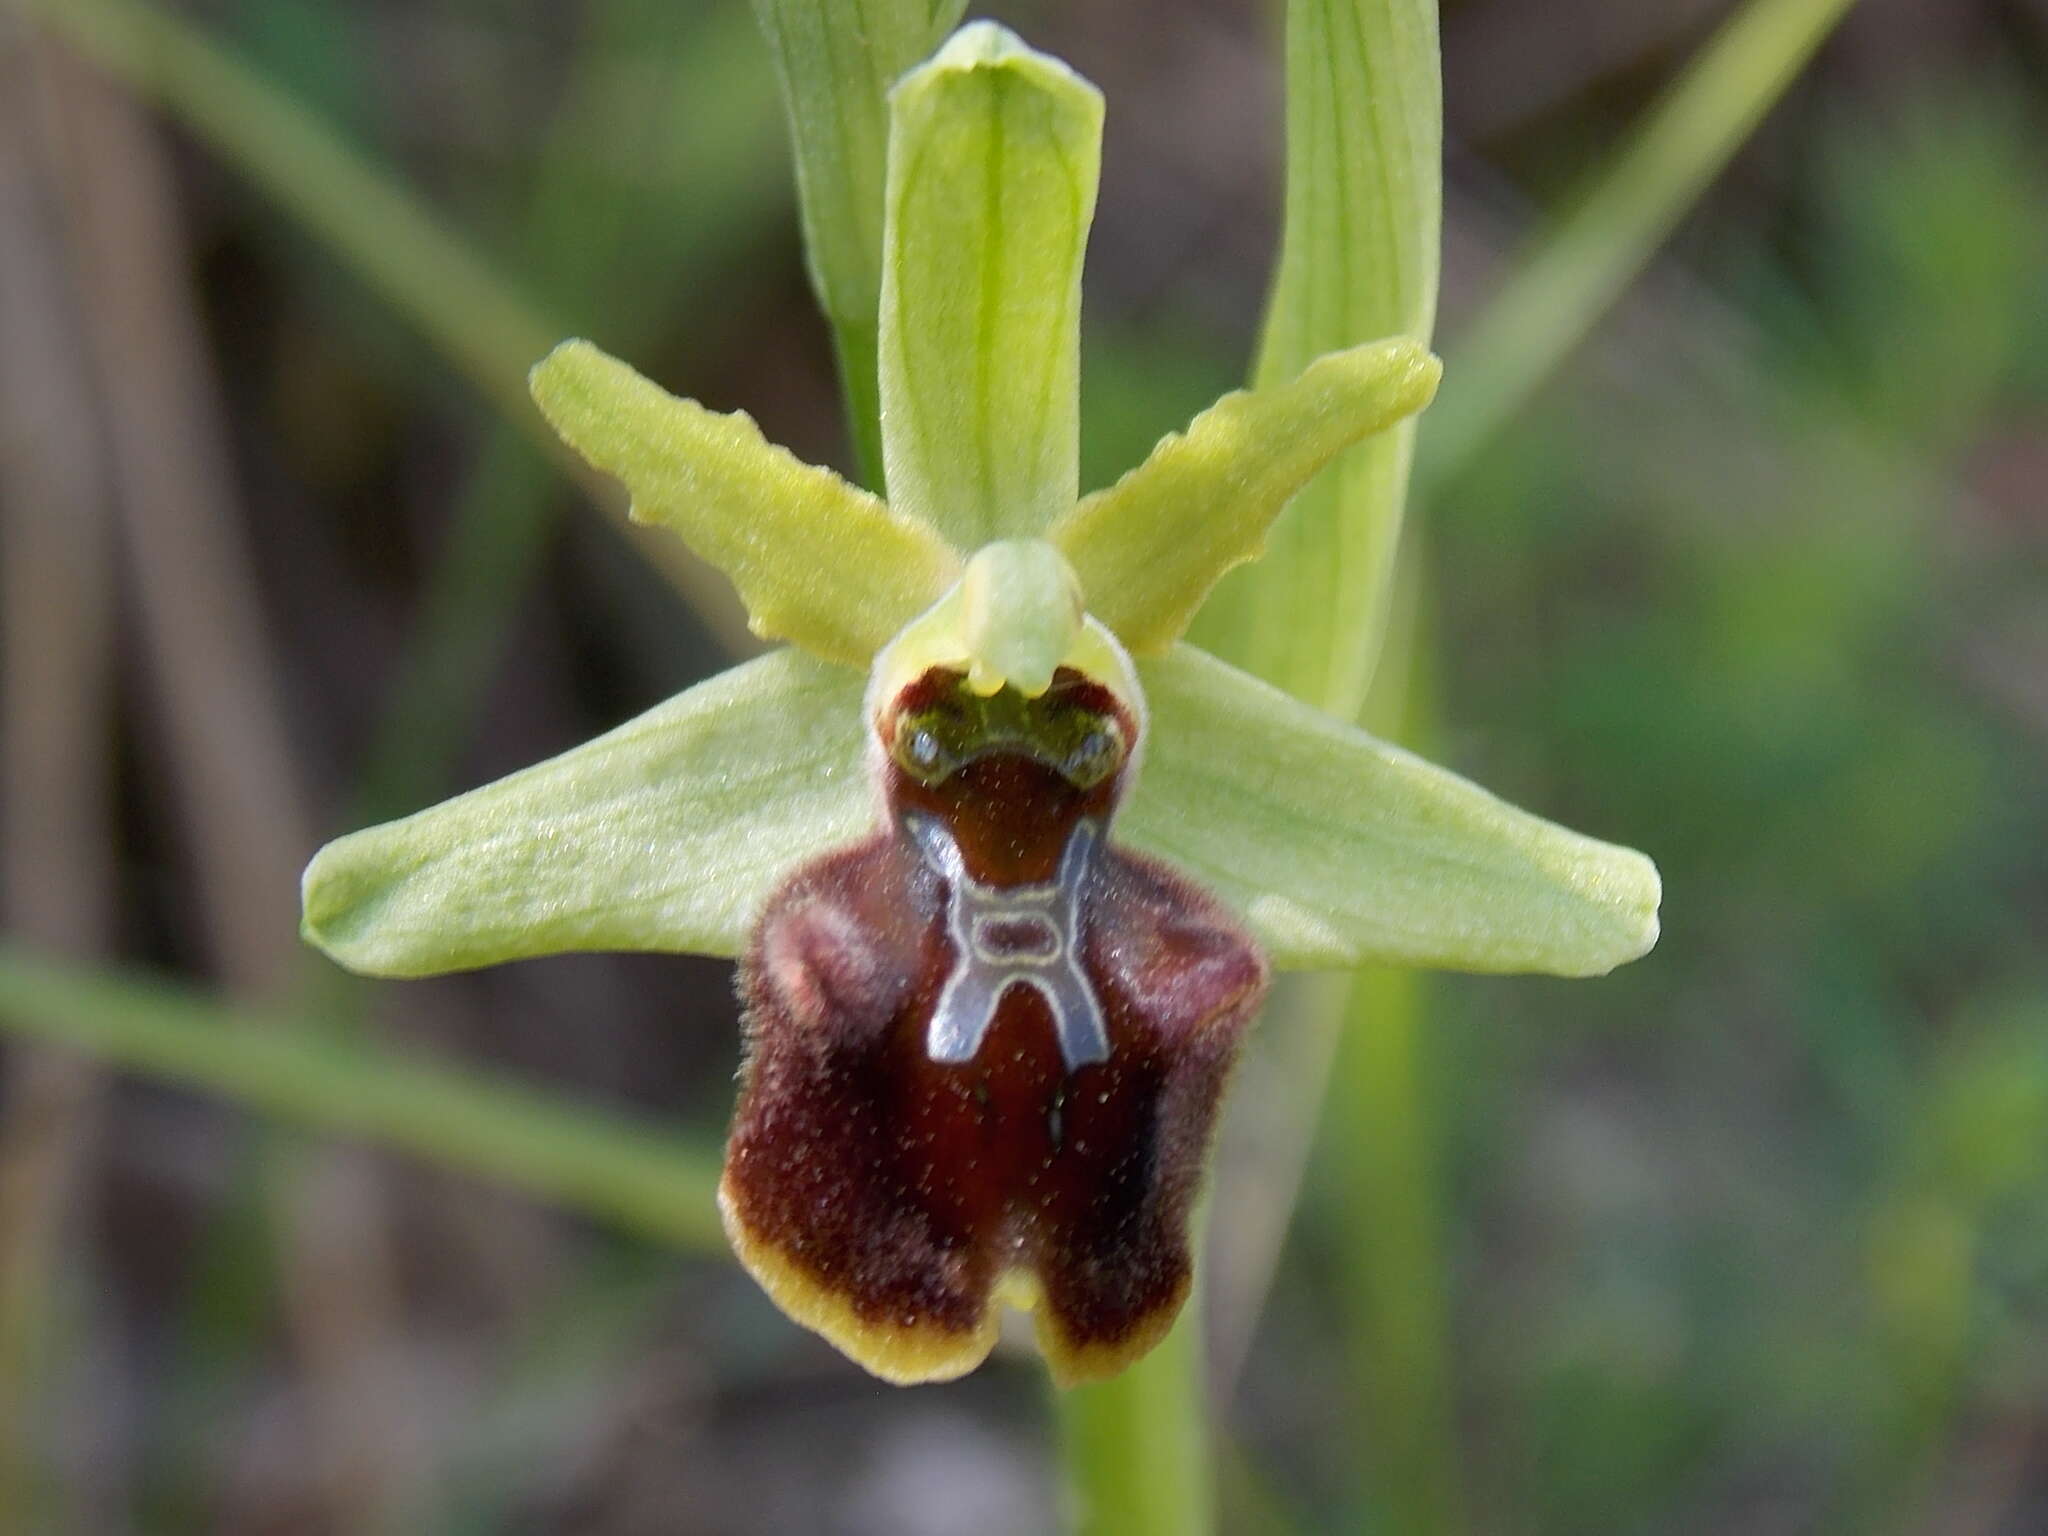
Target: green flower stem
x,y
1136,1449
651,1183
1382,1161
1573,275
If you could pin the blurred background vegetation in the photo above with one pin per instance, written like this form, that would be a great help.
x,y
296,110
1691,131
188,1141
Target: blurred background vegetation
x,y
1750,1237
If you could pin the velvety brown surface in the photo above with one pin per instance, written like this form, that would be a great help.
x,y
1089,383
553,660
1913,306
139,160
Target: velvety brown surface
x,y
908,1186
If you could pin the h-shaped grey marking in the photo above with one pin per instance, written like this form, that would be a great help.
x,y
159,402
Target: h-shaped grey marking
x,y
1004,935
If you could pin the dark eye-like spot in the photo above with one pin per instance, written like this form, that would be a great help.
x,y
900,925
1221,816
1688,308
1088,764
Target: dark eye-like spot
x,y
921,750
1094,757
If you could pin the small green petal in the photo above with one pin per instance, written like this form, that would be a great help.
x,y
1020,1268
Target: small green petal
x,y
1151,547
993,155
1341,850
665,834
818,562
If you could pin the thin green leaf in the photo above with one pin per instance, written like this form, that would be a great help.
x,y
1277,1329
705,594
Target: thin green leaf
x,y
818,562
665,834
1573,275
993,155
1358,260
1342,850
837,63
1150,548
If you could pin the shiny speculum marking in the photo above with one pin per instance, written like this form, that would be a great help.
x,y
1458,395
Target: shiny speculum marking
x,y
1005,936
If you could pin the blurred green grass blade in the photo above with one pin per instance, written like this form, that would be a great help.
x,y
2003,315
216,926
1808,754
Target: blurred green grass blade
x,y
837,63
490,331
1358,261
657,1185
1561,288
1135,1449
455,298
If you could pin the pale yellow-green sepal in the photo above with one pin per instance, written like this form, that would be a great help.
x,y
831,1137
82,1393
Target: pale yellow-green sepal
x,y
665,834
1151,547
993,157
818,562
1341,850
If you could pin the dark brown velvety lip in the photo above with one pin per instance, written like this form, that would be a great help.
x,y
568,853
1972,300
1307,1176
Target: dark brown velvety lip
x,y
883,1198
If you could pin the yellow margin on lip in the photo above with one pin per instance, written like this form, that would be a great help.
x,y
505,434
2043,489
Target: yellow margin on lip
x,y
912,1354
903,1354
1076,1365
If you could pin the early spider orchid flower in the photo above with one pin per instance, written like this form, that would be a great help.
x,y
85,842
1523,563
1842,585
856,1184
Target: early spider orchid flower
x,y
1005,862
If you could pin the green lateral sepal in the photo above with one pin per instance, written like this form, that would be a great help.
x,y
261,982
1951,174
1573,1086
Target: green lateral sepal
x,y
664,834
1341,850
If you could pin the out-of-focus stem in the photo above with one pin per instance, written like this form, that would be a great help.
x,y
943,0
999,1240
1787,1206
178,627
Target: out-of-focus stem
x,y
1382,1156
230,759
646,1181
56,791
1136,1449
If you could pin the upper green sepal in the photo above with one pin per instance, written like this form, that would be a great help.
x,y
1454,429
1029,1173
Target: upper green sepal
x,y
993,157
1150,548
817,561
